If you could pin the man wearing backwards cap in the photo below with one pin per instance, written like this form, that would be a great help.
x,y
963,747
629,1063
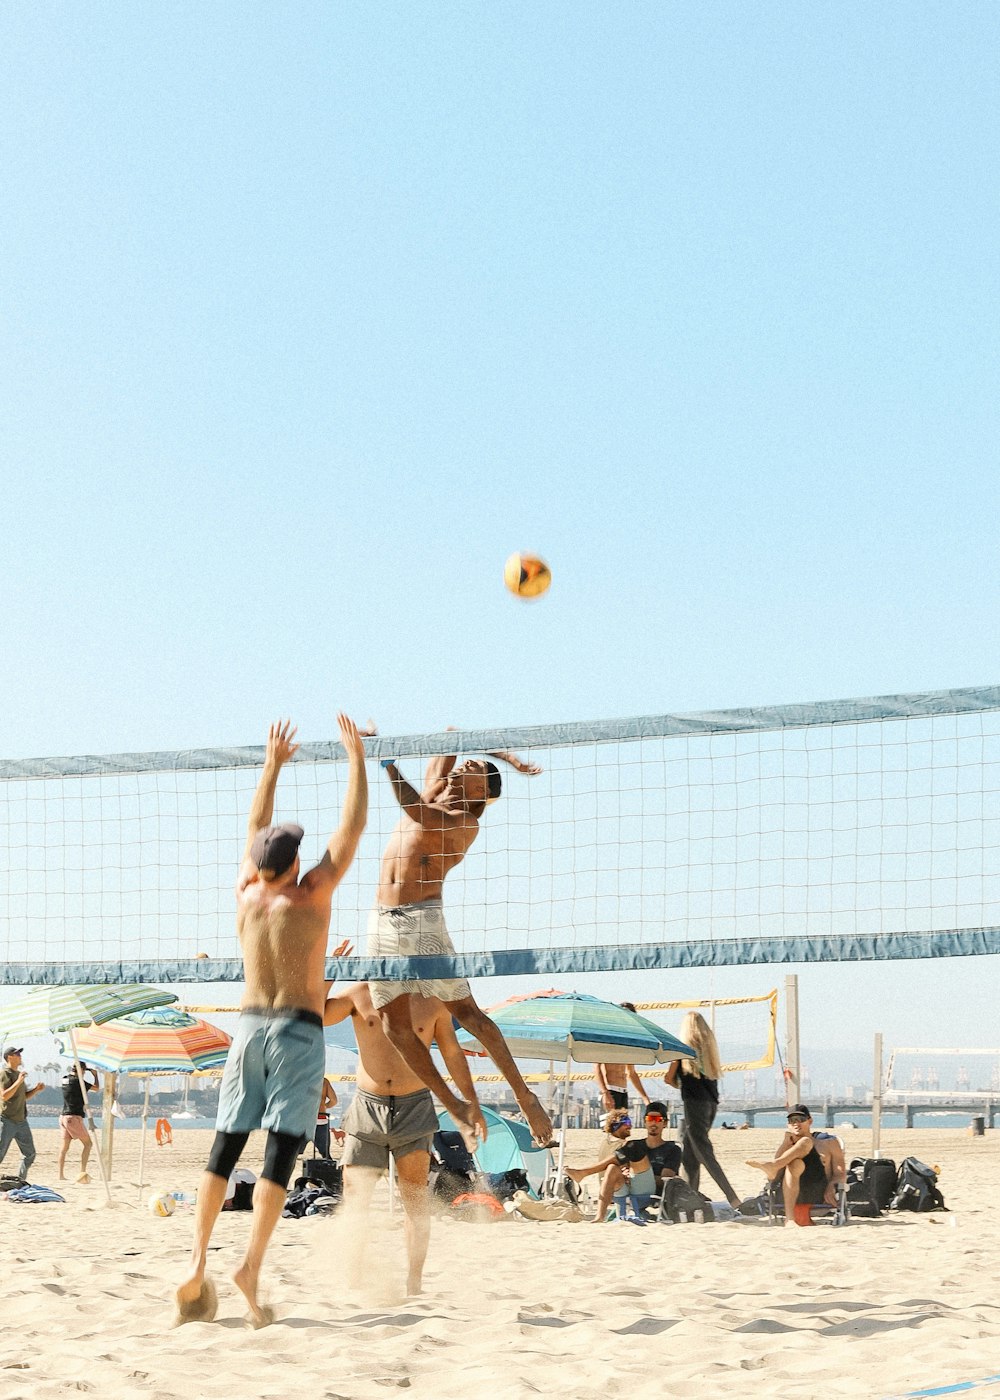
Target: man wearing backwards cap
x,y
14,1125
274,1073
809,1169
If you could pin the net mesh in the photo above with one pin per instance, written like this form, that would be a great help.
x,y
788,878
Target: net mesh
x,y
839,830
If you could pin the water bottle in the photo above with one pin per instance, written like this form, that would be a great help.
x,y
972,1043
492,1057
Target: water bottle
x,y
682,1217
699,1217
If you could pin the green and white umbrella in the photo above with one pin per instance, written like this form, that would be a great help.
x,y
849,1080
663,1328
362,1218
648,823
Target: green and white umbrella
x,y
50,1010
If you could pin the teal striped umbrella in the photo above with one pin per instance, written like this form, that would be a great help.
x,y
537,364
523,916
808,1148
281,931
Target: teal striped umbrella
x,y
573,1026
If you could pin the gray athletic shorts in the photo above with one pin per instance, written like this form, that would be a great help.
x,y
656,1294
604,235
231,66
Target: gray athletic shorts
x,y
274,1073
377,1124
408,931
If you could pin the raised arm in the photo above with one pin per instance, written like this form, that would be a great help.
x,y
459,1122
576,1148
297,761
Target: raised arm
x,y
280,748
413,803
343,843
670,1078
519,765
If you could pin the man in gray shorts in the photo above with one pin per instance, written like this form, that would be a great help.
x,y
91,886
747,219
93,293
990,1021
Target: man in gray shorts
x,y
435,831
393,1113
274,1072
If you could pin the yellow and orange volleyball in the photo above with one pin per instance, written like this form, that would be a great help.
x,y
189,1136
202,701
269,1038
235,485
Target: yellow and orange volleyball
x,y
527,575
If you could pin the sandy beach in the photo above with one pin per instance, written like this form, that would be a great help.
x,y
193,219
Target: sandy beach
x,y
514,1309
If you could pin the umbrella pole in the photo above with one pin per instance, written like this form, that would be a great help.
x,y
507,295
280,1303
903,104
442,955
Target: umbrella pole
x,y
142,1140
90,1117
565,1116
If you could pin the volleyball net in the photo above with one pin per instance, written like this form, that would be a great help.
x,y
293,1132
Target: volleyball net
x,y
843,830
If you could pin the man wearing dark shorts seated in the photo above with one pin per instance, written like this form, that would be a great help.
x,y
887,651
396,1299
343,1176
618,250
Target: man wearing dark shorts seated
x,y
810,1168
635,1166
394,1113
274,1073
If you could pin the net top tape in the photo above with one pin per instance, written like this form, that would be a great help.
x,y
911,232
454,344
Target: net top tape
x,y
926,704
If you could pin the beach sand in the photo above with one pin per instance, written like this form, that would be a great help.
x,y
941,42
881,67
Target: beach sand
x,y
514,1309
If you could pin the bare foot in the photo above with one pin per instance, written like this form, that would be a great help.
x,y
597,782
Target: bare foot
x,y
197,1301
82,1180
574,1173
414,1285
770,1169
246,1280
538,1121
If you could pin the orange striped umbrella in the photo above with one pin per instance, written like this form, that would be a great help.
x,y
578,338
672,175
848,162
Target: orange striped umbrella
x,y
160,1041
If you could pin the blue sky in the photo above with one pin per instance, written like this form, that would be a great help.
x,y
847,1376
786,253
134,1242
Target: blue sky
x,y
313,314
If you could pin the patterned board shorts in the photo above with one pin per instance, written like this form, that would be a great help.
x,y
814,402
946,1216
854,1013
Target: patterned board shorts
x,y
412,930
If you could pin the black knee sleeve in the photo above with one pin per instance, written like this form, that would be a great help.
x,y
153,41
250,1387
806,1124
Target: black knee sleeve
x,y
279,1157
225,1153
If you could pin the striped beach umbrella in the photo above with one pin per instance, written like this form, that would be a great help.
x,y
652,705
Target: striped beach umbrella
x,y
161,1040
569,1026
49,1010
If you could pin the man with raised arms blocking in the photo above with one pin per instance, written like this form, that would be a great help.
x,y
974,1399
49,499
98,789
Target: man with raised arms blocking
x,y
274,1074
393,1113
434,833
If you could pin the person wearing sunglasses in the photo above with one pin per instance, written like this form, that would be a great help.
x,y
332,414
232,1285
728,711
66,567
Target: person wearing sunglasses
x,y
634,1166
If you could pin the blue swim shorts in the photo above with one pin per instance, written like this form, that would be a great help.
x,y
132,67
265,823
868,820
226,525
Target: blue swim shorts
x,y
274,1074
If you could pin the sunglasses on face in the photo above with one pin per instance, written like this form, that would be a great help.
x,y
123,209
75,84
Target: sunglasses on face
x,y
654,1117
622,1123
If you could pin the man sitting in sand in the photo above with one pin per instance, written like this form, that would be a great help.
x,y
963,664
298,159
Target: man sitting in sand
x,y
274,1074
437,827
810,1168
635,1166
393,1113
71,1120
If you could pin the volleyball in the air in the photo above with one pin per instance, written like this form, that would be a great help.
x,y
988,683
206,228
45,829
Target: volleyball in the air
x,y
527,575
160,1203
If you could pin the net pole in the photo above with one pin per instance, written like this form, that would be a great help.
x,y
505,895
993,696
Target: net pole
x,y
877,1098
793,1061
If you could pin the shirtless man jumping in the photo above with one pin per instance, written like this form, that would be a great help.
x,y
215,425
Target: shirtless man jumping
x,y
434,834
274,1073
393,1113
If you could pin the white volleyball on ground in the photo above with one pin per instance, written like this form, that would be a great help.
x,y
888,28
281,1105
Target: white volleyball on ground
x,y
161,1203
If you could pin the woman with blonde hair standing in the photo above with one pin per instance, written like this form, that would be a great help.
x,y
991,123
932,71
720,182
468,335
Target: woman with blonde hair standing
x,y
698,1082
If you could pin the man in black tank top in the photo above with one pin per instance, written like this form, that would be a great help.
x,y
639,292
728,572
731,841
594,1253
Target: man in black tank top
x,y
810,1170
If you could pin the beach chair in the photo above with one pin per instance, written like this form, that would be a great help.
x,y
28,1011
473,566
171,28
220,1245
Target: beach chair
x,y
836,1215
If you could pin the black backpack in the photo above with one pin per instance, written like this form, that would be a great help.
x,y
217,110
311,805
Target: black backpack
x,y
871,1185
681,1199
504,1184
916,1187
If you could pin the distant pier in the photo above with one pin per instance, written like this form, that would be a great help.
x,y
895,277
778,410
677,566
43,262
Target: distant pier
x,y
907,1103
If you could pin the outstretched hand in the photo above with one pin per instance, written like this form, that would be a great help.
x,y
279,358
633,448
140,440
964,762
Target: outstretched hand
x,y
520,765
281,742
350,737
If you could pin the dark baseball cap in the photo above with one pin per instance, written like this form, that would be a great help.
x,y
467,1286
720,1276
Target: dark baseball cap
x,y
655,1106
798,1110
276,847
13,1050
